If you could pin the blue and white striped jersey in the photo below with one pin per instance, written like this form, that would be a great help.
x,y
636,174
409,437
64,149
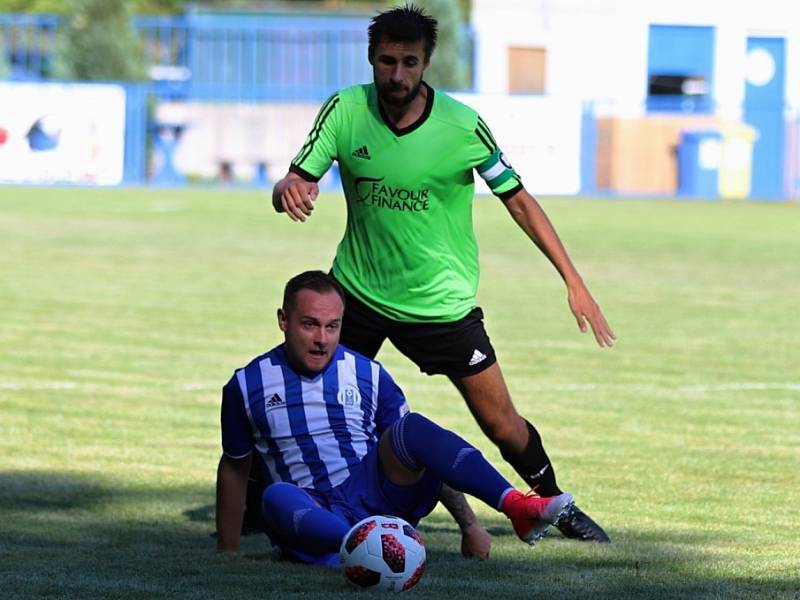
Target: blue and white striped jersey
x,y
309,431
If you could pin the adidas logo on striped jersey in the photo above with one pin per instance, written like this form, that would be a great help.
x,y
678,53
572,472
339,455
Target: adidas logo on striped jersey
x,y
362,153
276,400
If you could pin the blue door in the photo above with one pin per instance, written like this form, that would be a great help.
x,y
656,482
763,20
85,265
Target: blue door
x,y
763,110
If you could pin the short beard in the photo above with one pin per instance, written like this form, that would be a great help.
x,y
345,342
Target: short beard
x,y
396,101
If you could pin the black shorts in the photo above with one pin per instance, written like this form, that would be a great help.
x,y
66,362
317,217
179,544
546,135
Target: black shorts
x,y
455,349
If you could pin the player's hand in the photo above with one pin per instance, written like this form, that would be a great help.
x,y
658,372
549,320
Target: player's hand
x,y
584,308
297,199
475,542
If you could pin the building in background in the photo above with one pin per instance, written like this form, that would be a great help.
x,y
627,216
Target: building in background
x,y
698,98
651,73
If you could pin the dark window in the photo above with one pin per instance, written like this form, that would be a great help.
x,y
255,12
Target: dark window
x,y
680,69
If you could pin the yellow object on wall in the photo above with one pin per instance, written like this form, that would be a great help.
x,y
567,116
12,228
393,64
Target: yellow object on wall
x,y
735,172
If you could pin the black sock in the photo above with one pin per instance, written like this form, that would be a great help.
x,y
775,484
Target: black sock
x,y
533,465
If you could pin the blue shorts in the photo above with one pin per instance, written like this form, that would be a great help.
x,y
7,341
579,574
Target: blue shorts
x,y
369,492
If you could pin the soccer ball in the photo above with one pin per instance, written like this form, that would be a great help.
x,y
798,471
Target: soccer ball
x,y
383,553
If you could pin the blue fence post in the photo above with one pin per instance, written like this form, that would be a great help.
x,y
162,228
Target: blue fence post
x,y
588,150
469,54
136,117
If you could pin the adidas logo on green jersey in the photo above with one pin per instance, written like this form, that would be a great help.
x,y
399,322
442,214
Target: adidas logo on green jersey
x,y
362,153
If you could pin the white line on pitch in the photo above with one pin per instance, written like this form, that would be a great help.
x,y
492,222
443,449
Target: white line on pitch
x,y
43,385
697,387
564,387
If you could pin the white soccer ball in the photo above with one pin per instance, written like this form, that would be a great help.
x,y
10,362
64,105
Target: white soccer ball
x,y
383,553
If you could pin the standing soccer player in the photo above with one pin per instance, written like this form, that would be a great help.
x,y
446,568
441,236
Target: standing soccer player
x,y
408,260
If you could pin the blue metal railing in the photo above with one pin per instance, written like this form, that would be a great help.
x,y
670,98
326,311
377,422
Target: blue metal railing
x,y
220,57
235,57
28,45
262,57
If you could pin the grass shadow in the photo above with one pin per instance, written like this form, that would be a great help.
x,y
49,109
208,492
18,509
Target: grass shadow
x,y
34,491
65,536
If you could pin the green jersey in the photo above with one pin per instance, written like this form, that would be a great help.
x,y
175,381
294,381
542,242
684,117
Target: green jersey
x,y
409,250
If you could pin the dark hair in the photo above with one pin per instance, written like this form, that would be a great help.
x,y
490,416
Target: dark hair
x,y
317,281
407,23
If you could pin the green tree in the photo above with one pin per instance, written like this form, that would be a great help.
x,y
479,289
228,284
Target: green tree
x,y
63,8
32,6
162,7
448,68
98,42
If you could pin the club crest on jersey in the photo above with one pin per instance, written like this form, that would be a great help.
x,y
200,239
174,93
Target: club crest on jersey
x,y
349,396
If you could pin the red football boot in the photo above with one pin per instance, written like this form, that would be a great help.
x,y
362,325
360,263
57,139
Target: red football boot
x,y
532,515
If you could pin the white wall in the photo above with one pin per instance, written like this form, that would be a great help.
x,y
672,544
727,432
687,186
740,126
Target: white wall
x,y
597,49
239,134
540,136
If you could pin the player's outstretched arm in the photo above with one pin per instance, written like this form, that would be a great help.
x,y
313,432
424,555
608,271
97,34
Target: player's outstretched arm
x,y
295,196
231,492
531,218
475,540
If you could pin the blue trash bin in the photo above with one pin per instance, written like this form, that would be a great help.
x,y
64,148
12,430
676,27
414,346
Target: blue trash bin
x,y
699,160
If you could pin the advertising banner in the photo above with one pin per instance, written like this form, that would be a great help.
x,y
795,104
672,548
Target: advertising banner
x,y
62,133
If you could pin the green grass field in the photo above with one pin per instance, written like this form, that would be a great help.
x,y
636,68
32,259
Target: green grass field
x,y
122,312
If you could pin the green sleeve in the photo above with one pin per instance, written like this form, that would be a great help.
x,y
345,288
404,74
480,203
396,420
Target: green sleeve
x,y
319,150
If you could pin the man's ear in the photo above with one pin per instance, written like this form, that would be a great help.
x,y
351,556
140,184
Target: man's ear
x,y
282,318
